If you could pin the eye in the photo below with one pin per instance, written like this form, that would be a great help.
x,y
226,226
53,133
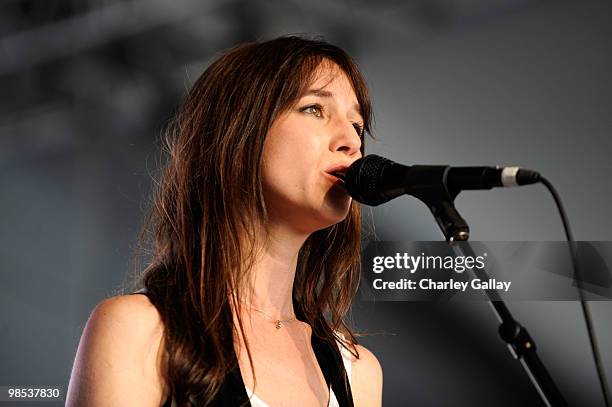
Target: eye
x,y
358,128
315,110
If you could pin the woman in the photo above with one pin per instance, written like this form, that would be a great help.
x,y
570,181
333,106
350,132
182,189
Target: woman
x,y
256,247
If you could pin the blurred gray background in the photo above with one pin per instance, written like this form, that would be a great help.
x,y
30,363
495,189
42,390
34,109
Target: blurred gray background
x,y
88,85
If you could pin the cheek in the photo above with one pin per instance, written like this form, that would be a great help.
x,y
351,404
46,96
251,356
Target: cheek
x,y
277,171
290,155
288,173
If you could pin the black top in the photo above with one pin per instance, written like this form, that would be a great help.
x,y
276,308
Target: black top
x,y
233,391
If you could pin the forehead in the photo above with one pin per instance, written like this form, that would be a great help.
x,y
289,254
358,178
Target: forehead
x,y
329,76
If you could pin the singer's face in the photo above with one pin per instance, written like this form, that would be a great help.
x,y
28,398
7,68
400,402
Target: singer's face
x,y
320,133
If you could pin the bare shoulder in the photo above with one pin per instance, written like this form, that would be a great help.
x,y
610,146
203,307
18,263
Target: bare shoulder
x,y
119,358
366,379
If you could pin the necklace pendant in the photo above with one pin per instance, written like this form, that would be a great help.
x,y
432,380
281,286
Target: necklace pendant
x,y
278,324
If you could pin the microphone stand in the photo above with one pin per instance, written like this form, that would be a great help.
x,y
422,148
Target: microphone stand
x,y
520,344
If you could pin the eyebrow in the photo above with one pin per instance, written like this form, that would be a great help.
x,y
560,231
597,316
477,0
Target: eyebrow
x,y
327,94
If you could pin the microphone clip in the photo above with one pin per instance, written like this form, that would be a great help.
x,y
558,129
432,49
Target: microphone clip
x,y
439,198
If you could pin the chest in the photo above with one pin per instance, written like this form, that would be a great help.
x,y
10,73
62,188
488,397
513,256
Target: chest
x,y
285,366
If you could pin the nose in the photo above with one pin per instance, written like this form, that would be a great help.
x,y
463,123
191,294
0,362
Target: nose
x,y
346,139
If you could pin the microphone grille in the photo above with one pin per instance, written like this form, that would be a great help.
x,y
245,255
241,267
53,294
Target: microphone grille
x,y
362,179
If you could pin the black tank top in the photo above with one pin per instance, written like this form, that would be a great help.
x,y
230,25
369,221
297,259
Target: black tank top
x,y
233,392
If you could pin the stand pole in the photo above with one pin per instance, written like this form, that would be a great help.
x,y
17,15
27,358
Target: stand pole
x,y
518,340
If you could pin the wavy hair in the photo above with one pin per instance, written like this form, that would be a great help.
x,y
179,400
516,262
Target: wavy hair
x,y
201,226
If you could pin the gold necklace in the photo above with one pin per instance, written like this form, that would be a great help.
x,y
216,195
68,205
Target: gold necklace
x,y
278,323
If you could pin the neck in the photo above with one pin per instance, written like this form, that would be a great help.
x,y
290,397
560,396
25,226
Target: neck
x,y
270,283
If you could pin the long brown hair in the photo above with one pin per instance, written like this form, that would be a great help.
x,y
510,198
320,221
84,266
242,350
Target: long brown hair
x,y
209,200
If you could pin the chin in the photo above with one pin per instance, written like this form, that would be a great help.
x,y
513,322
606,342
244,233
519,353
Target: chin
x,y
335,214
316,219
338,201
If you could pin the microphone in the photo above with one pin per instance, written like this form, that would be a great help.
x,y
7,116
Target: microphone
x,y
374,180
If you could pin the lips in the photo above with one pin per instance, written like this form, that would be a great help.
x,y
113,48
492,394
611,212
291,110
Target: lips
x,y
338,171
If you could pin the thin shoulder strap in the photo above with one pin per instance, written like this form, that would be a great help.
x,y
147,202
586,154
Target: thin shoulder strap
x,y
233,391
330,361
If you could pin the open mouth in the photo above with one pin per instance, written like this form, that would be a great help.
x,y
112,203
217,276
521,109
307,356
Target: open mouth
x,y
339,175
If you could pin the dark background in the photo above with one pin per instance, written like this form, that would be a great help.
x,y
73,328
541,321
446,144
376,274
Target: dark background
x,y
88,85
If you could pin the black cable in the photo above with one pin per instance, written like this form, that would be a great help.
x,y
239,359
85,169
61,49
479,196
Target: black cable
x,y
584,304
